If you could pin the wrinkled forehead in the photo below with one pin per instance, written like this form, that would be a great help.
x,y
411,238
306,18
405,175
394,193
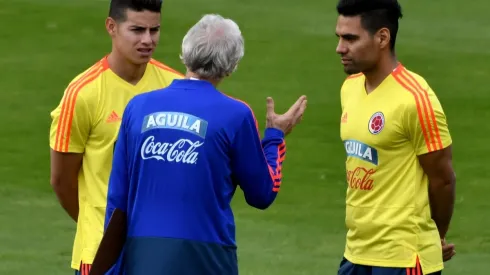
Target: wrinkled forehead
x,y
347,25
143,19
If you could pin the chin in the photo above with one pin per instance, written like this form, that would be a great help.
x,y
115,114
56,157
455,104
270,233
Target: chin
x,y
351,71
141,60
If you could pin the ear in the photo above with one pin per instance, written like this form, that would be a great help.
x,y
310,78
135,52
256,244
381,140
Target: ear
x,y
110,25
383,38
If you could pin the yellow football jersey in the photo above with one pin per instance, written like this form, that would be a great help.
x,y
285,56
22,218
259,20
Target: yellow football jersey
x,y
87,121
387,203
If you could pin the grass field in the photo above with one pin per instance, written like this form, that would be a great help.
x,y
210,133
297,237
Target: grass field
x,y
290,50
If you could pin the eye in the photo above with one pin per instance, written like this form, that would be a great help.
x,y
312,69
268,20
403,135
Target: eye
x,y
350,38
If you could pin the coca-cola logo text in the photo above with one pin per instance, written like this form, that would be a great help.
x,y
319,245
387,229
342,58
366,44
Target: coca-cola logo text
x,y
181,151
360,178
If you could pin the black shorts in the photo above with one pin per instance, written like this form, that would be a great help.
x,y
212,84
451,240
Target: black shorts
x,y
348,268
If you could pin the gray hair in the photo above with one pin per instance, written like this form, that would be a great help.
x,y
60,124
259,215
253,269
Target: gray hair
x,y
213,47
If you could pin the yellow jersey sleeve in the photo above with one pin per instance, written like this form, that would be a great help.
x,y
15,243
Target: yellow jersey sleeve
x,y
70,124
427,125
71,120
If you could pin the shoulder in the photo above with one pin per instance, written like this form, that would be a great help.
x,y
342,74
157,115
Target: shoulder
x,y
154,95
235,110
81,94
239,107
165,70
350,85
420,102
354,76
409,80
415,89
140,103
352,81
85,84
240,114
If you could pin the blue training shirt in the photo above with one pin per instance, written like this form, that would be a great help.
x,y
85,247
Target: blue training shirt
x,y
179,157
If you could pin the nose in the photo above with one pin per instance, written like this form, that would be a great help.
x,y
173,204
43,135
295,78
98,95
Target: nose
x,y
146,38
341,48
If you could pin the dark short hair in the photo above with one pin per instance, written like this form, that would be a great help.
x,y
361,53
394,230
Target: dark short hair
x,y
375,14
118,8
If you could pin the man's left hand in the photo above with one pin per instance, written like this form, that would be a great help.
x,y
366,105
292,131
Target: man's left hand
x,y
448,251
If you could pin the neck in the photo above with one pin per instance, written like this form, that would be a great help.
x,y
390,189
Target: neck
x,y
383,69
190,74
124,69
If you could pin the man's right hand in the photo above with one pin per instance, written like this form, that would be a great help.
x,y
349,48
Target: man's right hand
x,y
287,121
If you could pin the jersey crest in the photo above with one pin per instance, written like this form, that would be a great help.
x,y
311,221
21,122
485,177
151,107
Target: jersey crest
x,y
376,123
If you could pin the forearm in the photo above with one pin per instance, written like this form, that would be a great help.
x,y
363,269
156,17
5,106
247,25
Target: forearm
x,y
65,168
259,177
442,197
68,198
274,147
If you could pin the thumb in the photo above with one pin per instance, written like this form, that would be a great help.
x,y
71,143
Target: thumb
x,y
270,106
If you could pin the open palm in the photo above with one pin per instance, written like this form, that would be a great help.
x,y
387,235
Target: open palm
x,y
287,121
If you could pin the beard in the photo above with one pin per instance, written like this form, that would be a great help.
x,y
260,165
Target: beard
x,y
352,69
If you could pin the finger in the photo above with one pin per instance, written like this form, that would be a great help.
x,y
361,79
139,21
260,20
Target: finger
x,y
448,247
447,250
298,116
270,106
302,107
448,254
295,107
448,257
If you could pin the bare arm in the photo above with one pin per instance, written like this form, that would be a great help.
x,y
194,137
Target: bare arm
x,y
442,186
64,180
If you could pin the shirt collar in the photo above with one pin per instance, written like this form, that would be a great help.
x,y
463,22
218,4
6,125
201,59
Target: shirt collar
x,y
192,83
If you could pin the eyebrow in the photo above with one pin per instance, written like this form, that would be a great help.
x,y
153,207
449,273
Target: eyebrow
x,y
141,27
347,35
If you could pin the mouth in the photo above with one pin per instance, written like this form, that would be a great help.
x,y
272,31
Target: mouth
x,y
346,61
145,51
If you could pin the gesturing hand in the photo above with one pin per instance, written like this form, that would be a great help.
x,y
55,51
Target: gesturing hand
x,y
288,120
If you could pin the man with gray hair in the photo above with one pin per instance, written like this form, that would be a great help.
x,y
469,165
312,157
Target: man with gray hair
x,y
181,153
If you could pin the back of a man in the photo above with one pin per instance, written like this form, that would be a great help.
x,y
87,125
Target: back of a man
x,y
179,133
181,154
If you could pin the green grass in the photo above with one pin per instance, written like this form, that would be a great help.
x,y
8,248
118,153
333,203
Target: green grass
x,y
290,50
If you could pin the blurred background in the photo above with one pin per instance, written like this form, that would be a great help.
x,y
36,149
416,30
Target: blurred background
x,y
290,50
